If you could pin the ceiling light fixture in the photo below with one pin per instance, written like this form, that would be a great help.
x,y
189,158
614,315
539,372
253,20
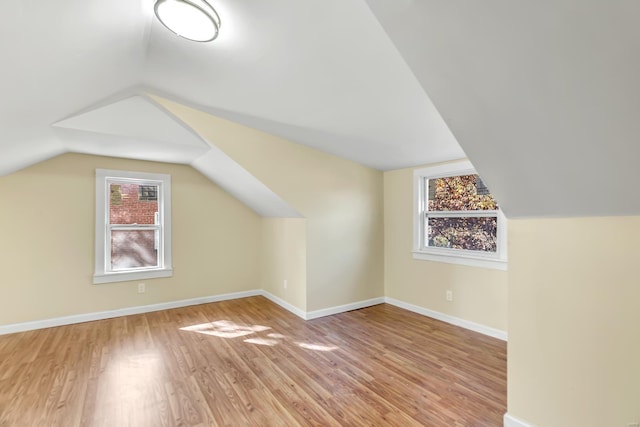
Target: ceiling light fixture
x,y
192,19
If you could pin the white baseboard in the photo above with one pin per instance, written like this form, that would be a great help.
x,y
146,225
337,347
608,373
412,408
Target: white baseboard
x,y
88,317
343,308
100,315
511,421
476,327
323,312
282,303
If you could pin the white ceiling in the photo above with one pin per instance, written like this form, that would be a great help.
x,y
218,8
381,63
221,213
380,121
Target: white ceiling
x,y
542,96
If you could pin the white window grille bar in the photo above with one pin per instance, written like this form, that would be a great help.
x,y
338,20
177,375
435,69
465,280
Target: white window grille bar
x,y
133,227
450,214
156,237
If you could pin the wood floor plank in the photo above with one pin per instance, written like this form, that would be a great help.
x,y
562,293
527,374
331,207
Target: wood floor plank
x,y
248,362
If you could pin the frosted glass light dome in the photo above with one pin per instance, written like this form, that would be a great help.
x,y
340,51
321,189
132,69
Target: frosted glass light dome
x,y
191,19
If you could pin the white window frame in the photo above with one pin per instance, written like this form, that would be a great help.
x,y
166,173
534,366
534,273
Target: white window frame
x,y
421,251
103,273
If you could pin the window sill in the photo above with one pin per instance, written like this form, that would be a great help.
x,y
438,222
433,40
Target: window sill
x,y
131,275
491,263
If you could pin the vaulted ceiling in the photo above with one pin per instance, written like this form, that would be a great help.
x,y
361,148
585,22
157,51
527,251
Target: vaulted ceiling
x,y
541,96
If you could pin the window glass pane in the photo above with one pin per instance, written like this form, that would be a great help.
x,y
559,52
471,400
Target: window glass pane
x,y
470,233
133,249
133,203
459,193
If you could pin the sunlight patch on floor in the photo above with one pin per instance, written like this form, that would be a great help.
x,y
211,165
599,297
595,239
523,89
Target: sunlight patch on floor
x,y
277,336
262,341
229,329
225,329
316,347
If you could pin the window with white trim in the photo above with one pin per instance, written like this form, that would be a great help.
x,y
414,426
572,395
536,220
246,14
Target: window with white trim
x,y
133,226
456,218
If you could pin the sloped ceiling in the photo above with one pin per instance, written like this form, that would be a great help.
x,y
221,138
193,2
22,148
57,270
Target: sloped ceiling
x,y
540,95
137,122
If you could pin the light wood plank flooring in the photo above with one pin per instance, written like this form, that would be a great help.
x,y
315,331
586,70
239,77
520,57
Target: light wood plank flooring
x,y
248,362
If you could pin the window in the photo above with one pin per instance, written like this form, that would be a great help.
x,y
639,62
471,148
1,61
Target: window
x,y
457,220
148,193
133,226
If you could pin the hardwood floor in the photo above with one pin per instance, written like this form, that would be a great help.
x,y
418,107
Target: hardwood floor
x,y
249,362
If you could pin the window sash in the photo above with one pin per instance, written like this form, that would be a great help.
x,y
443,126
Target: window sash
x,y
494,260
158,245
425,240
157,227
140,182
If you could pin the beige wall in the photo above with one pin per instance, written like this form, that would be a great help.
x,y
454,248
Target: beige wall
x,y
47,231
574,293
572,304
480,295
574,321
341,200
284,257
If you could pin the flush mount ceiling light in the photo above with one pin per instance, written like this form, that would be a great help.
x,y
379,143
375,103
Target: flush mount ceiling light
x,y
192,19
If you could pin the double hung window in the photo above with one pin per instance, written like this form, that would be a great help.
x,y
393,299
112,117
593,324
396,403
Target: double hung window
x,y
133,226
457,219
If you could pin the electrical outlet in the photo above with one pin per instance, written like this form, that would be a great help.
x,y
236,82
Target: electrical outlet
x,y
449,296
285,283
141,288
